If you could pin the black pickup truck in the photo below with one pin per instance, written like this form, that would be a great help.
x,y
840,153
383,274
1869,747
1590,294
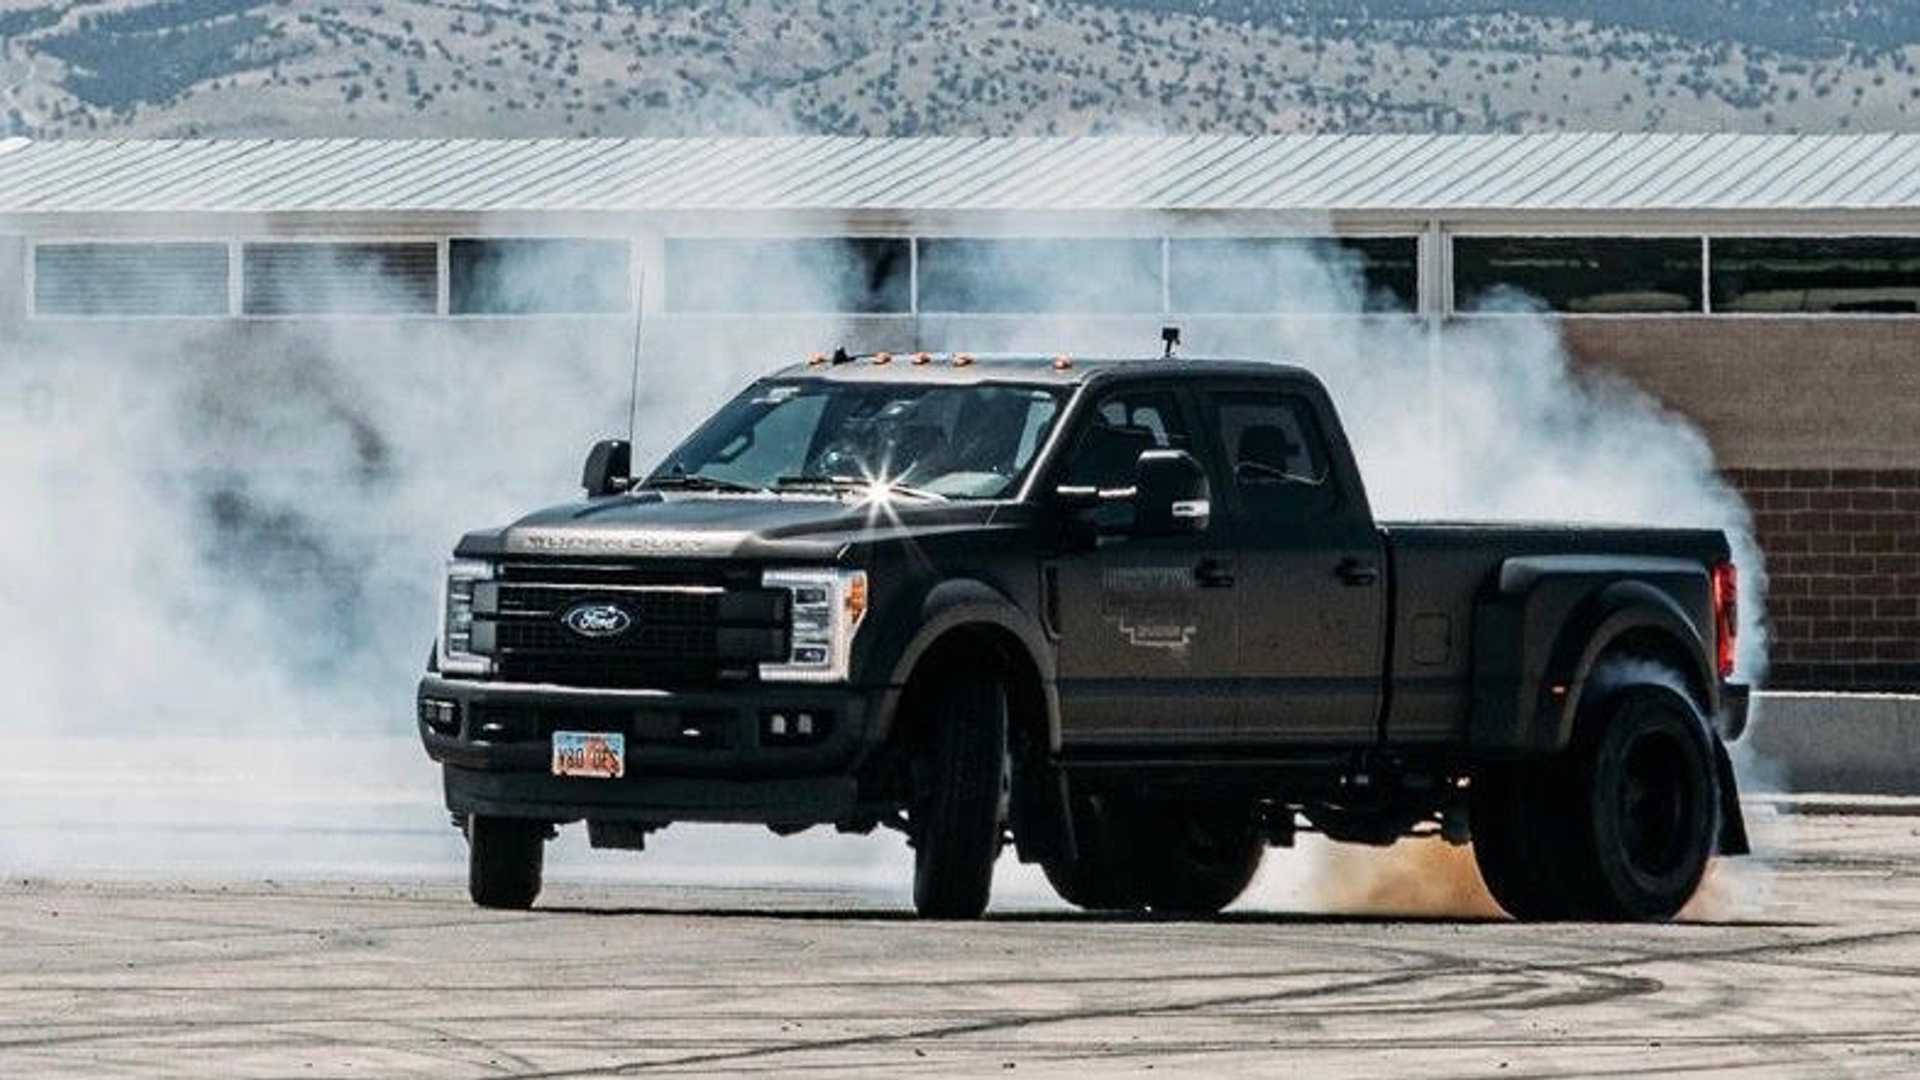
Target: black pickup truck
x,y
1133,617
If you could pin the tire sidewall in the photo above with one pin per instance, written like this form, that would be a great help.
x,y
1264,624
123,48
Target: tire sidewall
x,y
505,861
957,836
1621,888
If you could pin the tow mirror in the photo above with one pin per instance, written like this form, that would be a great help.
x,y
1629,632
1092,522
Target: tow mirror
x,y
609,468
1170,494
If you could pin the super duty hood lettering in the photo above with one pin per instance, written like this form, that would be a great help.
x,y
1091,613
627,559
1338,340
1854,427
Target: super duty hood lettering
x,y
575,541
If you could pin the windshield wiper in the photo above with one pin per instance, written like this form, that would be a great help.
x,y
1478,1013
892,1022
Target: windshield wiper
x,y
700,482
855,483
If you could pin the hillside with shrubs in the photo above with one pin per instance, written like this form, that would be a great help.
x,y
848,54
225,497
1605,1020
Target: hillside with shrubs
x,y
121,68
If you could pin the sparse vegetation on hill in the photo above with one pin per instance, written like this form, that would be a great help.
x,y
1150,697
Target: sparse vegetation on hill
x,y
905,67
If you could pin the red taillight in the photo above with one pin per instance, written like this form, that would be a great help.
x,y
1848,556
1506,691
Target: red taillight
x,y
1726,615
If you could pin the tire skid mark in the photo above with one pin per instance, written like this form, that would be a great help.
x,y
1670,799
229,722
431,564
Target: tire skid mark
x,y
1636,958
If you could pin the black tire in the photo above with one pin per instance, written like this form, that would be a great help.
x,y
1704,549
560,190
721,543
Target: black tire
x,y
1101,878
1196,859
1520,812
1649,809
960,776
505,857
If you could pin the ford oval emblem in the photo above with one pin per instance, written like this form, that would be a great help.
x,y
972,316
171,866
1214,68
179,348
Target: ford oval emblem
x,y
597,620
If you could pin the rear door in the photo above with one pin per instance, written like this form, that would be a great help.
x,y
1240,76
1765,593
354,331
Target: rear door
x,y
1146,625
1311,567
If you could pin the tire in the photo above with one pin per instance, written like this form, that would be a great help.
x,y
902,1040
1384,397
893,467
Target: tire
x,y
505,857
1519,812
1649,806
1196,859
1102,877
960,776
1620,827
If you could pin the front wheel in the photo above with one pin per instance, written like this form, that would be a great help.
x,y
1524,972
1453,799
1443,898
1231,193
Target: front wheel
x,y
959,783
505,857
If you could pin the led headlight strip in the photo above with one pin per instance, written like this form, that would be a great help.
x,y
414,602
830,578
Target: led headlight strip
x,y
828,606
456,613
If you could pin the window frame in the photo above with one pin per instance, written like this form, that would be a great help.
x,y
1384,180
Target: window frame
x,y
30,277
238,286
637,266
1335,483
909,241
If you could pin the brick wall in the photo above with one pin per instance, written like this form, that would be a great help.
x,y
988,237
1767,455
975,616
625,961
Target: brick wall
x,y
1843,563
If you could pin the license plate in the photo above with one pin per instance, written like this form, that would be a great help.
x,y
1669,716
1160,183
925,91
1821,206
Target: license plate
x,y
602,755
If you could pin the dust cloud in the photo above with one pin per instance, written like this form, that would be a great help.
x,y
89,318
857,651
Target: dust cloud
x,y
218,569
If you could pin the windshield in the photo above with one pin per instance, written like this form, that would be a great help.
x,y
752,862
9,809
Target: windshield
x,y
954,442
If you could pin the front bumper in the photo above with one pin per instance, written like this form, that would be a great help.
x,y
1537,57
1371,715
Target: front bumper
x,y
690,756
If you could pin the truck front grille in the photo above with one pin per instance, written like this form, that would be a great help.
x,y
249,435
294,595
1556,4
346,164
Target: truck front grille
x,y
678,630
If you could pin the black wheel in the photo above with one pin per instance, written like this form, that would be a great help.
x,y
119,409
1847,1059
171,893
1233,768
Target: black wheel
x,y
1102,877
504,860
1520,813
1649,808
960,777
1196,859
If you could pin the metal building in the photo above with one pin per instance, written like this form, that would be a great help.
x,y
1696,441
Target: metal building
x,y
1768,287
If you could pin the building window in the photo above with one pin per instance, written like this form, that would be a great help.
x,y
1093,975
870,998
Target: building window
x,y
1019,276
1579,275
1293,275
1833,275
850,275
539,276
130,279
339,279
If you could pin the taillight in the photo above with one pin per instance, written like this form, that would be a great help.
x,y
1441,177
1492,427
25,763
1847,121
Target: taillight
x,y
1726,615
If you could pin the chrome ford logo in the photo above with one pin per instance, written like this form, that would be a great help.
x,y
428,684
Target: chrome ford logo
x,y
597,620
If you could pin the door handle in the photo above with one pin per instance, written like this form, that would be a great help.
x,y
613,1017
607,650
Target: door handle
x,y
1213,574
1356,573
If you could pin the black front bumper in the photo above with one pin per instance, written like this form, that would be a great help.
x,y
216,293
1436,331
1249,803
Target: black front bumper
x,y
690,756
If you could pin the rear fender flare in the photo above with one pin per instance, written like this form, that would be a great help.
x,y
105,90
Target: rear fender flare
x,y
1612,614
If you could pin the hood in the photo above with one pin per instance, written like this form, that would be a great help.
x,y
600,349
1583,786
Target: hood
x,y
704,525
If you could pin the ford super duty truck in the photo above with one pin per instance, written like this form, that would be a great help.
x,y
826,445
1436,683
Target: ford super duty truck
x,y
1133,617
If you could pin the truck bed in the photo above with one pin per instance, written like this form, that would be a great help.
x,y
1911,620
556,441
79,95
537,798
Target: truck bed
x,y
1440,571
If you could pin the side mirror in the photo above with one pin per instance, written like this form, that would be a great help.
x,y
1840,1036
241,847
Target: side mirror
x,y
609,469
1171,494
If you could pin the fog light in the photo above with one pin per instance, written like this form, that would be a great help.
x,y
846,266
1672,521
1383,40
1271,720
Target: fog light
x,y
794,728
442,717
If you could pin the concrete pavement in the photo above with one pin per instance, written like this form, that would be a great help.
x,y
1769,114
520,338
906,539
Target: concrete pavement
x,y
1806,964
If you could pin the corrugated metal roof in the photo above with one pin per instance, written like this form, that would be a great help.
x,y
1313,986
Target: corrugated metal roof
x,y
1334,173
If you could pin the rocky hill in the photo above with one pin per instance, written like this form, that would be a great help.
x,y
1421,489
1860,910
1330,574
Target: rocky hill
x,y
628,67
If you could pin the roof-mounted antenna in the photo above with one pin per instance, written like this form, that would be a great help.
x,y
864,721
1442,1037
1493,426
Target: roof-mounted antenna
x,y
1170,335
842,356
639,325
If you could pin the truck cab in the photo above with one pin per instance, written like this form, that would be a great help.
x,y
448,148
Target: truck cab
x,y
1133,617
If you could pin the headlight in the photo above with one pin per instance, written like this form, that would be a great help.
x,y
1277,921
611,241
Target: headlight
x,y
828,606
457,653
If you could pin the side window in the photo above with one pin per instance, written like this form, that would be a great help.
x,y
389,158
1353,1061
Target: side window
x,y
1277,455
1122,426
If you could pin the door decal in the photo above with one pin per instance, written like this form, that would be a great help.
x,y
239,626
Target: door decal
x,y
1151,607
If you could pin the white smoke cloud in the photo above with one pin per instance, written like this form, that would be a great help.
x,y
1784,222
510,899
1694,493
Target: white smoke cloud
x,y
234,531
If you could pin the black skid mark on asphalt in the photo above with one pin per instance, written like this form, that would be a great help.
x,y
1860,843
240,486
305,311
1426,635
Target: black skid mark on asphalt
x,y
1437,969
